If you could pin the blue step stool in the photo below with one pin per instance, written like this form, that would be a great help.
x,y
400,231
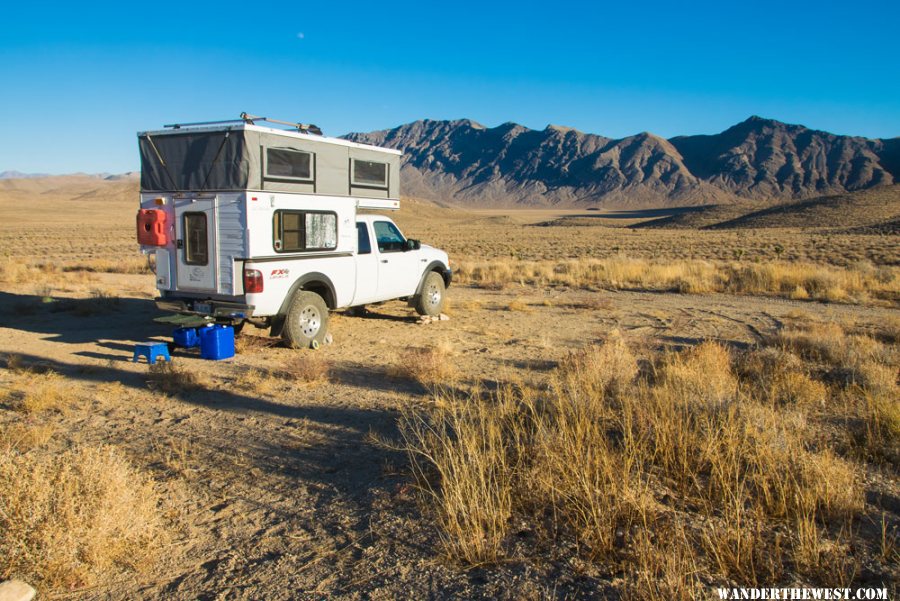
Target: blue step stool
x,y
151,350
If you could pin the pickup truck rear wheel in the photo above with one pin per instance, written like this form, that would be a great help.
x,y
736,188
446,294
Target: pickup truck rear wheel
x,y
306,322
431,300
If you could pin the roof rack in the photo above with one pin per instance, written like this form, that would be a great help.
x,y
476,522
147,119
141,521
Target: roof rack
x,y
306,128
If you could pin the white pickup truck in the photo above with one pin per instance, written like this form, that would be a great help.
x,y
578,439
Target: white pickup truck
x,y
261,225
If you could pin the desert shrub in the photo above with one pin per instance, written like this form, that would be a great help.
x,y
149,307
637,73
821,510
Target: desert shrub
x,y
70,519
166,377
459,452
25,436
726,437
597,371
776,376
38,392
432,366
248,344
311,368
701,374
519,305
258,380
776,278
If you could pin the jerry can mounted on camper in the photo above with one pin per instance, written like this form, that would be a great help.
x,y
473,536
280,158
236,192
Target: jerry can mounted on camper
x,y
277,227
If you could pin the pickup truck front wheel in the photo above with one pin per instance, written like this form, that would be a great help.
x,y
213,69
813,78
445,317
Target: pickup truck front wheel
x,y
306,322
431,300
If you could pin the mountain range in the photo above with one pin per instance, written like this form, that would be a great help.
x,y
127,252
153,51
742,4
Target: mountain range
x,y
464,162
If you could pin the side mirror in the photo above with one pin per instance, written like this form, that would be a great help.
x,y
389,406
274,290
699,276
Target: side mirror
x,y
412,245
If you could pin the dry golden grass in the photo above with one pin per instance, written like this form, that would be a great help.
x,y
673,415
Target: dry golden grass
x,y
869,371
257,380
168,378
789,280
308,368
519,305
72,518
38,393
249,344
131,263
23,437
726,436
432,366
459,458
781,377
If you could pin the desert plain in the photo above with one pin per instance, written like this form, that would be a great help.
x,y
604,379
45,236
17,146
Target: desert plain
x,y
622,404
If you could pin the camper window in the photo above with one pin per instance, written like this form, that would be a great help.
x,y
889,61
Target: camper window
x,y
196,249
297,231
369,174
282,163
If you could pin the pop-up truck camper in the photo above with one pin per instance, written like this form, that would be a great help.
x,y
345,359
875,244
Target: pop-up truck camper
x,y
262,225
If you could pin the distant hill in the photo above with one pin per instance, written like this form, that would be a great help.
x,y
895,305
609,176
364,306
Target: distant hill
x,y
876,210
465,162
107,176
19,175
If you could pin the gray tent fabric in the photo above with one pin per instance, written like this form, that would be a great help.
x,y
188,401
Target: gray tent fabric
x,y
233,159
194,161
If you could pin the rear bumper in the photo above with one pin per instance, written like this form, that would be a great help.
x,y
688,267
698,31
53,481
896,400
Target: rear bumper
x,y
212,308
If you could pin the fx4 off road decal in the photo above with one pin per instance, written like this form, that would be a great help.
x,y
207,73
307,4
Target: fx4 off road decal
x,y
278,274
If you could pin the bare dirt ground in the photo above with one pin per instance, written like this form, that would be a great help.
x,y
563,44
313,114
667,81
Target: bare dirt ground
x,y
283,489
283,494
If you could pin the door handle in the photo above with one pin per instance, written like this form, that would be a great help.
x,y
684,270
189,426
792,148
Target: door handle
x,y
384,260
179,244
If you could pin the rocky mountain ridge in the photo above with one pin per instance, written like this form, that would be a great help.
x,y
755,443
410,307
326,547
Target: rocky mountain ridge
x,y
465,162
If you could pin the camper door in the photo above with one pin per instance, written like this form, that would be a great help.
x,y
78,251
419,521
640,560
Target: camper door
x,y
195,229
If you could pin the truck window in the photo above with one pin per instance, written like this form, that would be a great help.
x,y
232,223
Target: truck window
x,y
369,174
363,245
284,163
297,231
196,249
389,237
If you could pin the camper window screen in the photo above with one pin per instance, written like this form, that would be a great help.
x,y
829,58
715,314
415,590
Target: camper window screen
x,y
297,231
282,163
370,174
196,249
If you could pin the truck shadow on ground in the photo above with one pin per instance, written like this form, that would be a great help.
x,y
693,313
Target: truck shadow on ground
x,y
368,313
327,447
80,320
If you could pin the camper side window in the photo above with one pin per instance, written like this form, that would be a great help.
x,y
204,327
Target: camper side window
x,y
196,248
298,231
369,174
283,163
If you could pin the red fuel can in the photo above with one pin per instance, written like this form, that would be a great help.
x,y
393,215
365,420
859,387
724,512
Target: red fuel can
x,y
151,227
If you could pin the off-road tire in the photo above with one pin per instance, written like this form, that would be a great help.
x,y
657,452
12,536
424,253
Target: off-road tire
x,y
306,322
430,300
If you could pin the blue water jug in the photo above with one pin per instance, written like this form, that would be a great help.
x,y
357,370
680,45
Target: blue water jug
x,y
186,337
217,342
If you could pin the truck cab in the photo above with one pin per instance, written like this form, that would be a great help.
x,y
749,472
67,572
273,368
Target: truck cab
x,y
388,265
251,224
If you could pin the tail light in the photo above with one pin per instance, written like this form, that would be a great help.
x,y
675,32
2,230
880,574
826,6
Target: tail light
x,y
253,281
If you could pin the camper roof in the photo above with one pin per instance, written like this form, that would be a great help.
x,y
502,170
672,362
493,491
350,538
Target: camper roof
x,y
245,156
185,129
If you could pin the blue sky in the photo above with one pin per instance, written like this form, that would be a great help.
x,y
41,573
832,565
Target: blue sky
x,y
79,79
